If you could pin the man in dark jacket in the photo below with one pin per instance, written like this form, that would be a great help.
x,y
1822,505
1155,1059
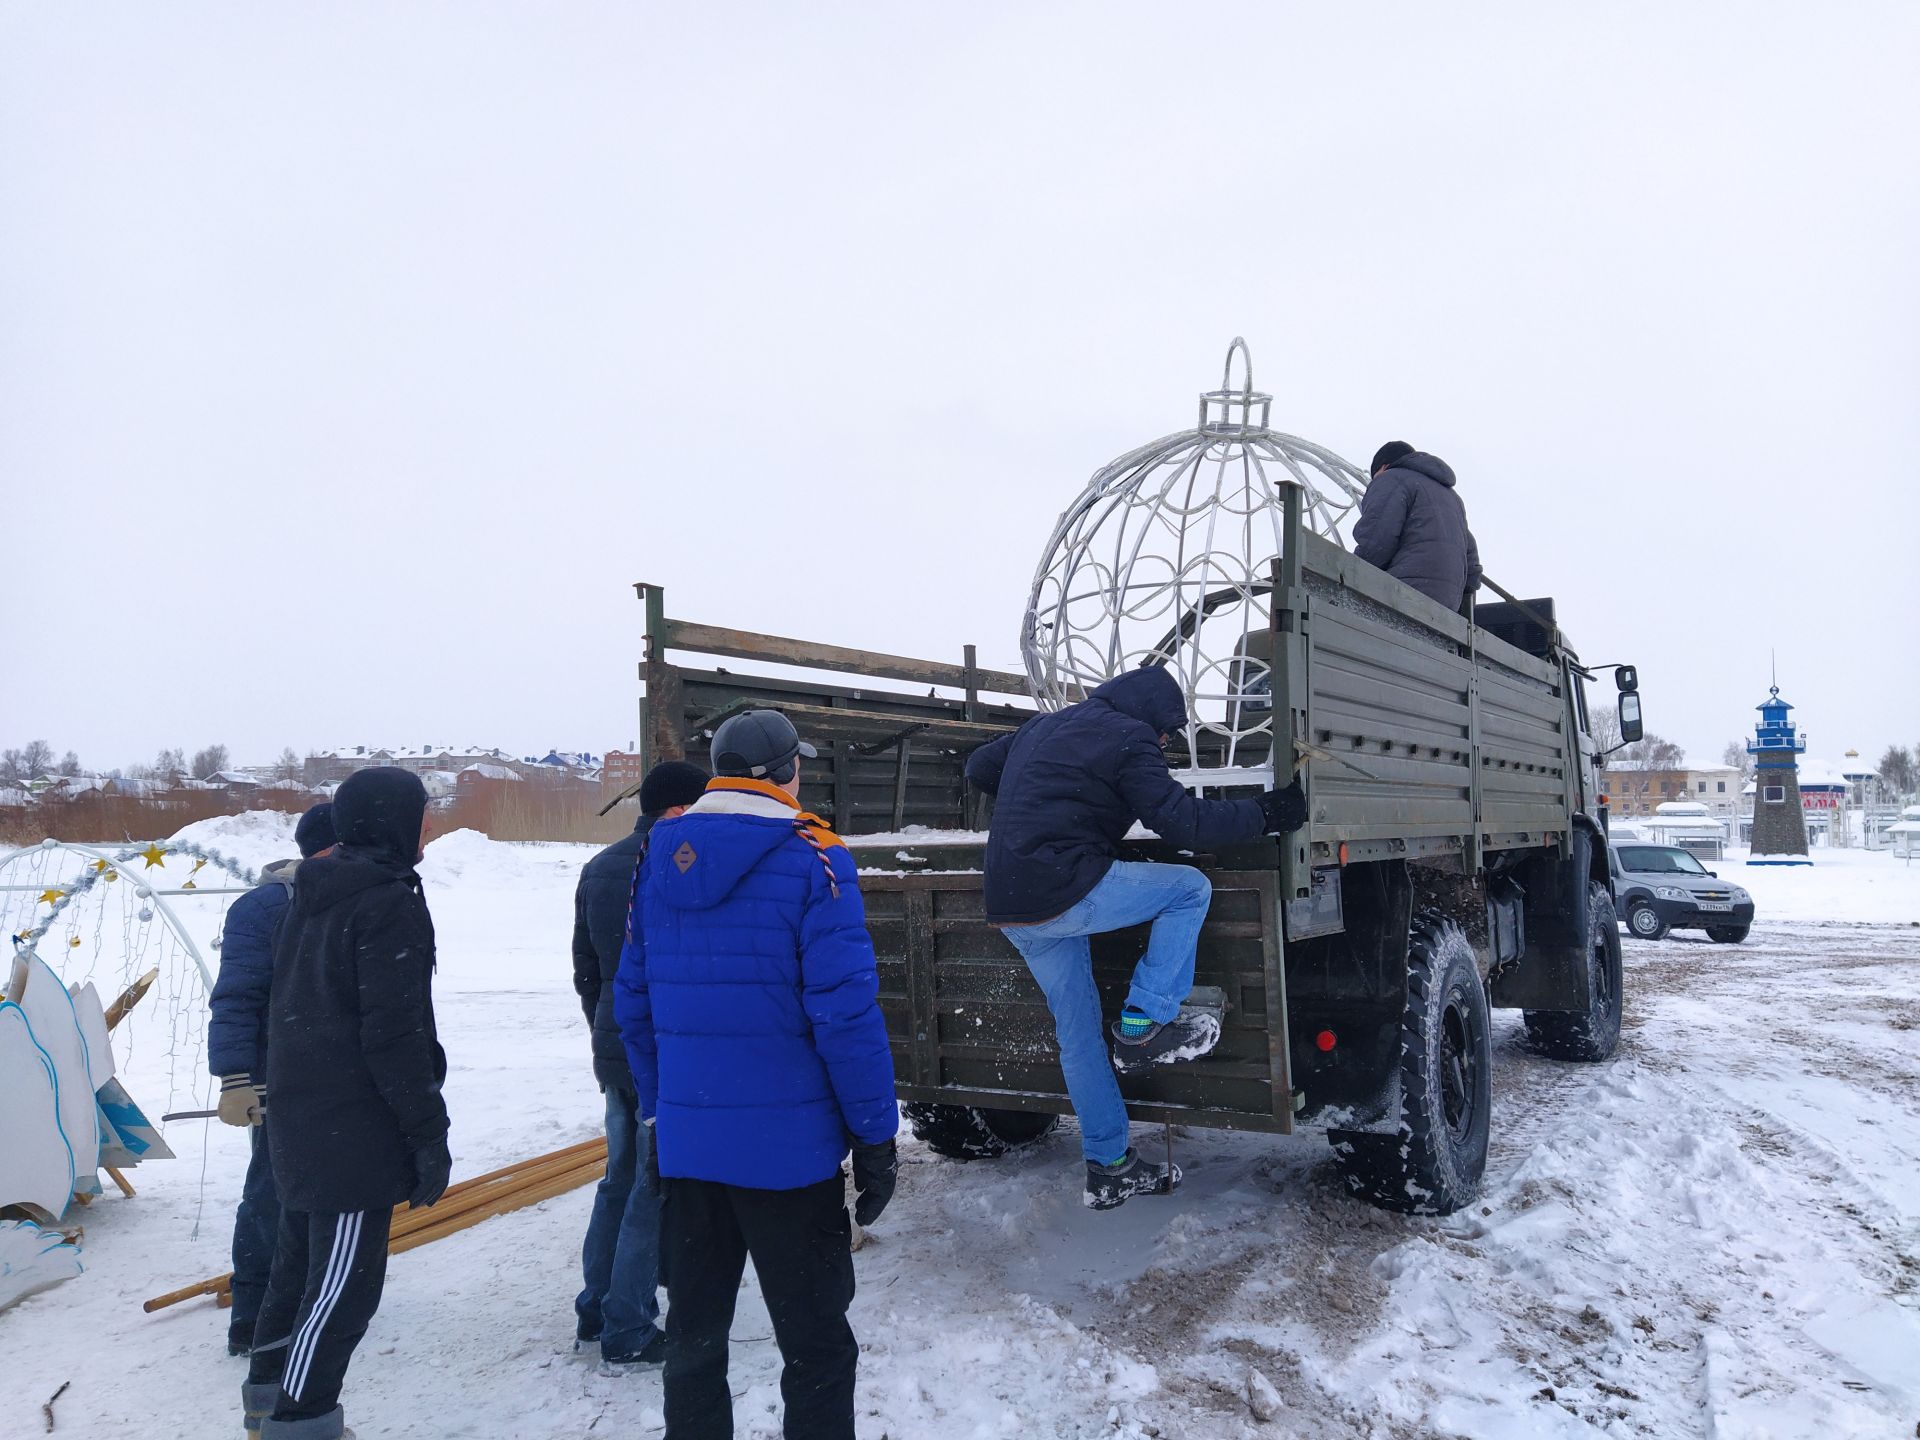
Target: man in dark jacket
x,y
621,1258
237,1053
1413,525
749,1002
354,1113
1069,785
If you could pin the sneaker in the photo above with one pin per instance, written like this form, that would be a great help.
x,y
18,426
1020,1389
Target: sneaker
x,y
1110,1185
1188,1036
654,1352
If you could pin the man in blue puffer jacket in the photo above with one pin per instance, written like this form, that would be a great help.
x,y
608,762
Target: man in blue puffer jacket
x,y
1068,785
237,1053
748,1000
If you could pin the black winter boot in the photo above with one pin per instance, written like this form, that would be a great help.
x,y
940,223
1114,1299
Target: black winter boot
x,y
330,1426
1110,1185
257,1402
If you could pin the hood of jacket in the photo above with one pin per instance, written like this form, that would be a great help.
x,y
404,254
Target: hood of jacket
x,y
1149,695
697,859
343,872
1431,466
379,812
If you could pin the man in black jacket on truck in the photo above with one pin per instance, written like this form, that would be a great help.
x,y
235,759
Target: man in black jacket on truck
x,y
620,1261
1413,525
354,1112
1068,787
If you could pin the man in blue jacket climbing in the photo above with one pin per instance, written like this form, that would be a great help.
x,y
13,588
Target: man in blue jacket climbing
x,y
1068,785
237,1053
748,1001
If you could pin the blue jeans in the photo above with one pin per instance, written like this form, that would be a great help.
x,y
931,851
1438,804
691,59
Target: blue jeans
x,y
1175,899
621,1258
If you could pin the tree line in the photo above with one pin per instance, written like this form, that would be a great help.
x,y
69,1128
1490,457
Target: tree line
x,y
36,758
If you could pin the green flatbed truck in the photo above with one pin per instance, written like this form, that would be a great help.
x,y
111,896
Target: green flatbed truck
x,y
1454,860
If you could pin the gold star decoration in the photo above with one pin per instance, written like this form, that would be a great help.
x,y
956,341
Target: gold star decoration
x,y
154,855
100,867
74,944
51,896
198,866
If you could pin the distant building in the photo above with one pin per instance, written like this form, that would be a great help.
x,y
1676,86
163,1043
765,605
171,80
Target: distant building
x,y
1635,790
486,774
330,767
1719,788
620,769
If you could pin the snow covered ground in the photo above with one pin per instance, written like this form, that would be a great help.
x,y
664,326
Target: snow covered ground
x,y
1715,1234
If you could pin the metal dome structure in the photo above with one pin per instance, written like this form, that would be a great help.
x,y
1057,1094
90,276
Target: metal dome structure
x,y
1165,558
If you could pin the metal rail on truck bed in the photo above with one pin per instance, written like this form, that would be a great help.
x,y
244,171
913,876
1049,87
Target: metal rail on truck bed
x,y
1423,736
888,758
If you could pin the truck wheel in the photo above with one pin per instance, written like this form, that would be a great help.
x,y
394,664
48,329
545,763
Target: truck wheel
x,y
1432,1165
1644,921
1727,934
1592,1033
962,1132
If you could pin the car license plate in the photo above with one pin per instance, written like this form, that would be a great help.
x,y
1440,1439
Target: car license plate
x,y
1713,905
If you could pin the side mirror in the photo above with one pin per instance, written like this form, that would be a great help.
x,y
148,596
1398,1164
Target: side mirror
x,y
1626,678
1630,727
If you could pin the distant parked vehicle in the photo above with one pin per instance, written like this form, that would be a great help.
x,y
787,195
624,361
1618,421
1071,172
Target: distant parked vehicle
x,y
1663,887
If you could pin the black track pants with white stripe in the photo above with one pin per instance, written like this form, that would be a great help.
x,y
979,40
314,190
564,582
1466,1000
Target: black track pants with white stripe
x,y
328,1271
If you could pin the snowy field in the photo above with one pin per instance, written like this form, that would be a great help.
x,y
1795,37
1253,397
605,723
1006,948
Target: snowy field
x,y
1716,1234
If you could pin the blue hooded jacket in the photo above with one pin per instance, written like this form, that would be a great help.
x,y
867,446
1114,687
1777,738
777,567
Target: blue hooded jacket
x,y
1069,784
237,1027
747,995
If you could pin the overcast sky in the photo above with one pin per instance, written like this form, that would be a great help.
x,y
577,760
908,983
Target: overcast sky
x,y
355,359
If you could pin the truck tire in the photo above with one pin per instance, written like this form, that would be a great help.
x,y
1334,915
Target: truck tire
x,y
1727,934
1644,921
963,1132
1433,1163
1592,1033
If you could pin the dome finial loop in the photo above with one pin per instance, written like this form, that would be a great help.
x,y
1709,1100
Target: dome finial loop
x,y
1246,360
1230,411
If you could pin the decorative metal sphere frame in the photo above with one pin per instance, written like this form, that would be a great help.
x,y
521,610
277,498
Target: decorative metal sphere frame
x,y
1165,559
110,864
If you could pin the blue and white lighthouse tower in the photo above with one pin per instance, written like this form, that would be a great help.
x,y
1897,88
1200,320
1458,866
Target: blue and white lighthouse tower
x,y
1779,823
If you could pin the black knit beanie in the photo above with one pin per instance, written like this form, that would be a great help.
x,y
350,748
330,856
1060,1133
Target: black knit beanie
x,y
1390,453
314,833
671,783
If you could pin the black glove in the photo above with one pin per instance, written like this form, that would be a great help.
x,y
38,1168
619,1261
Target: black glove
x,y
432,1167
875,1168
1286,810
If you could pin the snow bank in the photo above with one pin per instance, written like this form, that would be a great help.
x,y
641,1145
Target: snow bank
x,y
253,837
1841,887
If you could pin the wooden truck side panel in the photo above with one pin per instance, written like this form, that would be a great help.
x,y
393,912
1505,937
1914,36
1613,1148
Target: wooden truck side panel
x,y
969,1026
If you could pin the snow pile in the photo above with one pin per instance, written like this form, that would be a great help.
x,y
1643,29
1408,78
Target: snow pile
x,y
253,837
1841,887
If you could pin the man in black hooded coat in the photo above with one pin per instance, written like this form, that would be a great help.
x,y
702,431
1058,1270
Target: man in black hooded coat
x,y
1413,525
355,1117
